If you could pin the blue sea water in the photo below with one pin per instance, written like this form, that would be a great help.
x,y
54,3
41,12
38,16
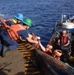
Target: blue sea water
x,y
44,13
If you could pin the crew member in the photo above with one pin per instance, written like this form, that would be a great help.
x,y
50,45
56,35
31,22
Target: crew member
x,y
12,33
64,41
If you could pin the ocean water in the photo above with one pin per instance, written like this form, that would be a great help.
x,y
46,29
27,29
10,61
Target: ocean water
x,y
44,13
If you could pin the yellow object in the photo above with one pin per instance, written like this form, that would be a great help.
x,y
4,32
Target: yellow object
x,y
14,20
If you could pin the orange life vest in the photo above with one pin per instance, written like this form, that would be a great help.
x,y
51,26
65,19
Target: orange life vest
x,y
64,40
13,29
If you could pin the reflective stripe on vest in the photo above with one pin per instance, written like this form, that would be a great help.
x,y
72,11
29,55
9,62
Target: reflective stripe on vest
x,y
13,29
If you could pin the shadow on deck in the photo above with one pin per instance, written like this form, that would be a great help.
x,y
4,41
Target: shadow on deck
x,y
15,62
12,63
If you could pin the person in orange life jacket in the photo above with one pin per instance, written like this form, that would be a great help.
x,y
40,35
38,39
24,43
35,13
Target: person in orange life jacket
x,y
64,45
48,48
5,38
64,41
4,34
21,31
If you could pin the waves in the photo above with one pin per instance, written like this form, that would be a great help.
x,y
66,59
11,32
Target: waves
x,y
44,13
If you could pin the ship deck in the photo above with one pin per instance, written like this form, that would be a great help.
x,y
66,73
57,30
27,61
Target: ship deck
x,y
19,62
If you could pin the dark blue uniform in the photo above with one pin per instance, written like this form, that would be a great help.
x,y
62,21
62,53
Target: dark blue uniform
x,y
12,44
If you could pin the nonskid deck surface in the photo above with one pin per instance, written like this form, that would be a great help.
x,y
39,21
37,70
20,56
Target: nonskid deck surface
x,y
18,62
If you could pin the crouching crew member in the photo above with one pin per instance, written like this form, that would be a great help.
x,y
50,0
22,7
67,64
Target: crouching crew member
x,y
12,33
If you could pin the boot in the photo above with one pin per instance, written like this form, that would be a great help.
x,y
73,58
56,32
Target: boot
x,y
4,50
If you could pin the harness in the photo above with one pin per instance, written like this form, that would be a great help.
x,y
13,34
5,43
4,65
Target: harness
x,y
13,29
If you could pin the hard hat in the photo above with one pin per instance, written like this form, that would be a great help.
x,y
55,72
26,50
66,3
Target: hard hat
x,y
28,22
19,16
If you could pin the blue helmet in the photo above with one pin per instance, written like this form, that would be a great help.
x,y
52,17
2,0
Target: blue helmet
x,y
19,16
